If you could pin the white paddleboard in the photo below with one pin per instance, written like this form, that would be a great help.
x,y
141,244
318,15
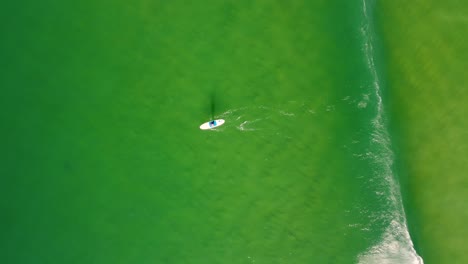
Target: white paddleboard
x,y
212,124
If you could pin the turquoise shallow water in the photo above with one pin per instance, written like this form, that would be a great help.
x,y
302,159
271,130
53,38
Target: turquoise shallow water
x,y
105,163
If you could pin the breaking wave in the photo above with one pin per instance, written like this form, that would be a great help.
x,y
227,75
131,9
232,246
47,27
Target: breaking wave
x,y
395,245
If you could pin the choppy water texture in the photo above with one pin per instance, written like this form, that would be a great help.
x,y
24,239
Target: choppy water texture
x,y
103,161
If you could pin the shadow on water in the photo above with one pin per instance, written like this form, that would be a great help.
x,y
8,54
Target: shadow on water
x,y
215,104
212,104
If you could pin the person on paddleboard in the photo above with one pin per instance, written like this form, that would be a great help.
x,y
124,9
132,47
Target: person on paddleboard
x,y
212,124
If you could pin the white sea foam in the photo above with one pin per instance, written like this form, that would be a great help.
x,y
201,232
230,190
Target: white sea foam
x,y
362,104
243,127
395,245
247,118
330,108
286,113
231,111
390,250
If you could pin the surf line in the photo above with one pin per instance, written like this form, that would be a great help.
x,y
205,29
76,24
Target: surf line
x,y
396,242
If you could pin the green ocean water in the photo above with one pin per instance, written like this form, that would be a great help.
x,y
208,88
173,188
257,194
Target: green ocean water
x,y
103,160
427,56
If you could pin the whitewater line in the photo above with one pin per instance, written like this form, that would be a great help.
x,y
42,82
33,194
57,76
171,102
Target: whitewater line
x,y
396,244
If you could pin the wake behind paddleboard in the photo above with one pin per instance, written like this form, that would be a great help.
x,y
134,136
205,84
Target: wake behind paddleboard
x,y
212,124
